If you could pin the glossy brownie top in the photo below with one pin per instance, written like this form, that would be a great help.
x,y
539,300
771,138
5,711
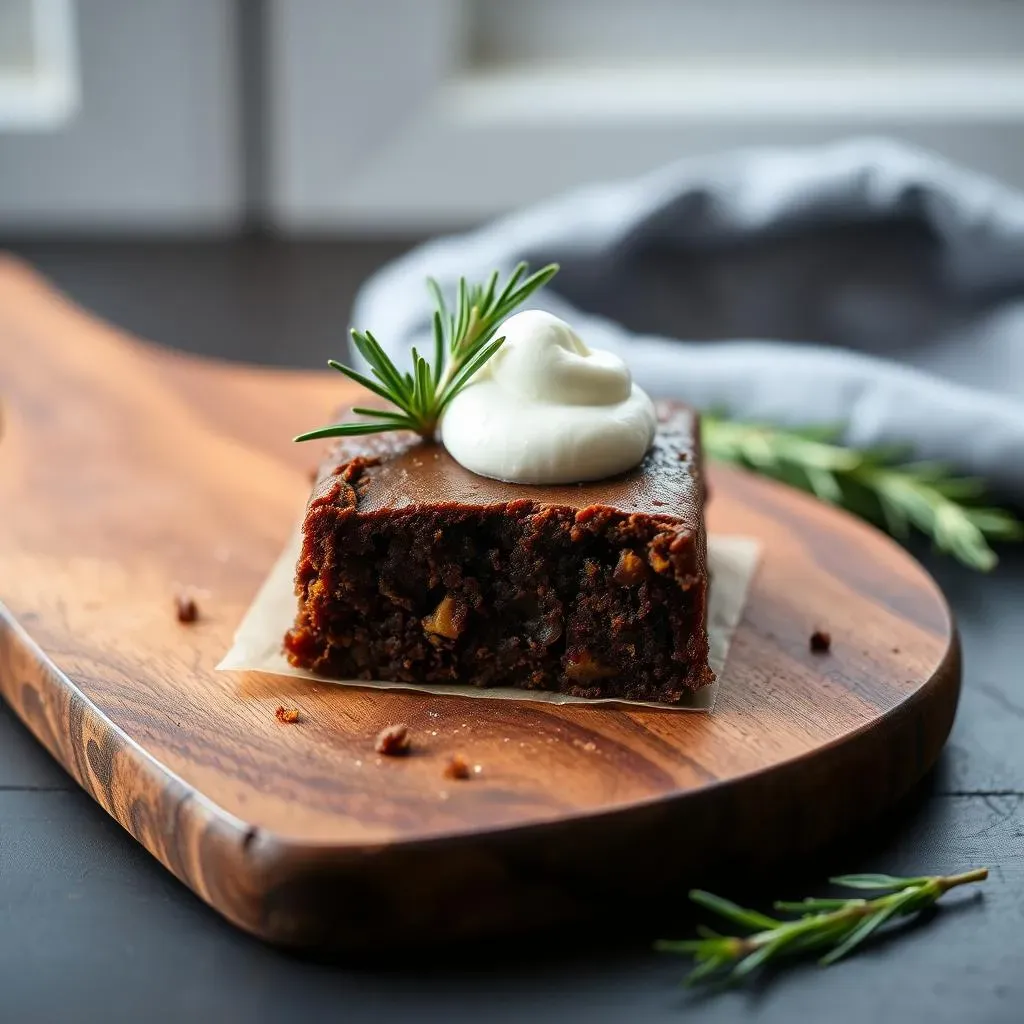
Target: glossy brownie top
x,y
399,471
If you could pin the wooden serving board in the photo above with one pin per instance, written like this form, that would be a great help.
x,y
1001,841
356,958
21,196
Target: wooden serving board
x,y
127,471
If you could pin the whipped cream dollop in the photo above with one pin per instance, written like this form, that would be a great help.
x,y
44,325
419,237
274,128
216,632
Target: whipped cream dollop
x,y
545,409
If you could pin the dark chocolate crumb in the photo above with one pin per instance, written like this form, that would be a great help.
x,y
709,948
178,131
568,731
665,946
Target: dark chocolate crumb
x,y
457,768
186,608
393,741
821,641
287,715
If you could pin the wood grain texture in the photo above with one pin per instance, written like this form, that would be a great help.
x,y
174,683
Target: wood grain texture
x,y
127,472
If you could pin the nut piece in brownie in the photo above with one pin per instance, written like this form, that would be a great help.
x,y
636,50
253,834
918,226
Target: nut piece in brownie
x,y
414,569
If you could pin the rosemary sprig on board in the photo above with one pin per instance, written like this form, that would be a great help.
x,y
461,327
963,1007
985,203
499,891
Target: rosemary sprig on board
x,y
876,484
831,927
463,342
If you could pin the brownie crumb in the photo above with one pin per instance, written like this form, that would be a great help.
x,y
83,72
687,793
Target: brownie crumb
x,y
287,715
821,641
457,768
185,607
393,741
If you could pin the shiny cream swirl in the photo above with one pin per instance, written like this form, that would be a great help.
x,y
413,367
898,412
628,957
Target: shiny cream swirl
x,y
548,410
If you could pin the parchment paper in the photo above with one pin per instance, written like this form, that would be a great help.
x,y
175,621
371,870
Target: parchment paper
x,y
257,646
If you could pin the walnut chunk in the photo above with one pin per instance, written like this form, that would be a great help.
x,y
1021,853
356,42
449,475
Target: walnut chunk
x,y
457,767
630,570
289,716
393,741
185,608
448,619
581,667
657,561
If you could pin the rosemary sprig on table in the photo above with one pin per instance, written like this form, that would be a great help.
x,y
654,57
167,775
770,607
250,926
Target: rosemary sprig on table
x,y
876,484
833,927
463,342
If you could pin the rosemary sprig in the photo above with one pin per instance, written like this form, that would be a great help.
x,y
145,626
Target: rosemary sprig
x,y
833,927
876,484
463,342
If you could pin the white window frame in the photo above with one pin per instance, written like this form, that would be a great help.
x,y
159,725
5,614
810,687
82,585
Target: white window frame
x,y
47,96
378,124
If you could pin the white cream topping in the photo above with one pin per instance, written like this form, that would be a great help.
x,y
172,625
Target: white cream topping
x,y
548,410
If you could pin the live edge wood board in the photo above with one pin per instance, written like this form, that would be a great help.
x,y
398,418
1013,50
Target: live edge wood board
x,y
128,472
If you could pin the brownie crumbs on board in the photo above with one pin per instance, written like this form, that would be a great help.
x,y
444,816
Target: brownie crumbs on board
x,y
457,768
289,716
185,607
393,741
821,641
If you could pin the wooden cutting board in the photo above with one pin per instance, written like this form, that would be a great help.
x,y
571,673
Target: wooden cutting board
x,y
127,472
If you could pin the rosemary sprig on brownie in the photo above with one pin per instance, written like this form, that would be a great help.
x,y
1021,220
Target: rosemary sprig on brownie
x,y
464,340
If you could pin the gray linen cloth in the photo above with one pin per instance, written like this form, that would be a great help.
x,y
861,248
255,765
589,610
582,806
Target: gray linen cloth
x,y
864,283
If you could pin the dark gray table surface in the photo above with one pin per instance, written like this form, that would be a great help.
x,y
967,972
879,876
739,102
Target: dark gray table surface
x,y
92,928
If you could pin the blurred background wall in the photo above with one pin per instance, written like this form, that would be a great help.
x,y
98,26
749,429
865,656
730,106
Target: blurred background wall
x,y
395,116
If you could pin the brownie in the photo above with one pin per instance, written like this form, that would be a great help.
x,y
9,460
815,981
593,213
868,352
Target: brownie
x,y
414,569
